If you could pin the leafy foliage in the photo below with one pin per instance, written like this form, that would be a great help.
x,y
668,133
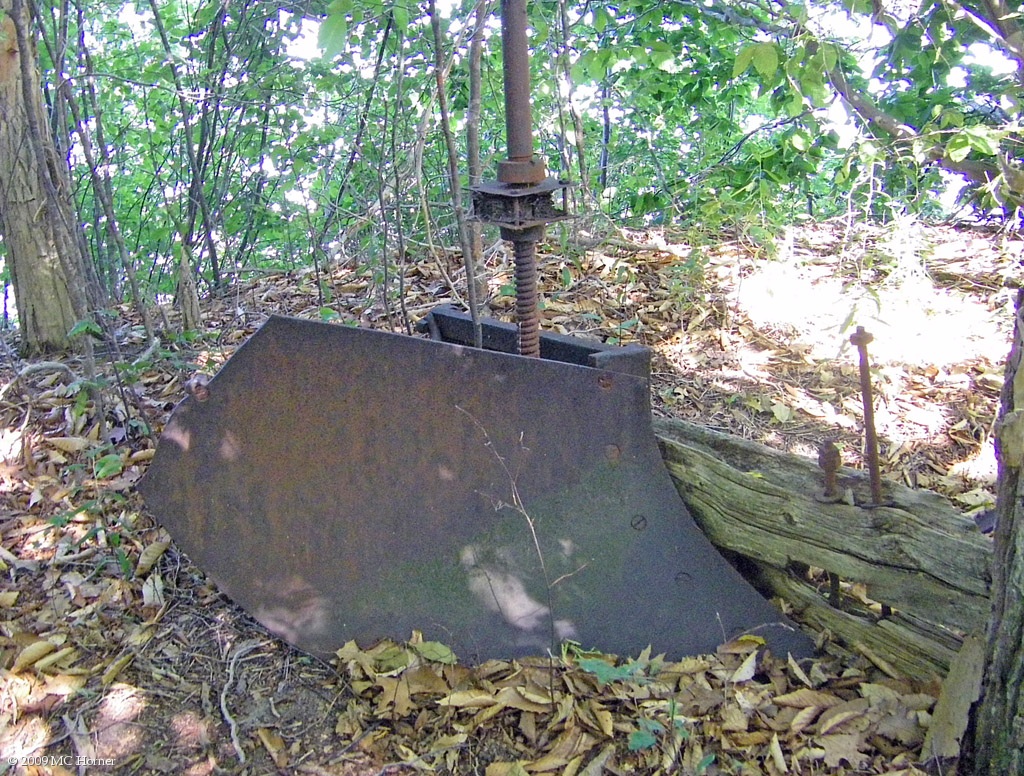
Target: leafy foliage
x,y
269,135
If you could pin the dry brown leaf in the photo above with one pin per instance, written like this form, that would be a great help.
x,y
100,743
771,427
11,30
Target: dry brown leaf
x,y
842,714
424,679
903,728
32,653
73,444
66,656
394,697
734,720
798,672
879,694
804,717
602,718
842,747
775,751
528,726
274,745
473,699
115,668
513,698
484,716
746,670
573,742
751,738
805,697
149,556
505,769
140,456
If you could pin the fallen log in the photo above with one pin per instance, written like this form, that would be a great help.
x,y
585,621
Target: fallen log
x,y
916,554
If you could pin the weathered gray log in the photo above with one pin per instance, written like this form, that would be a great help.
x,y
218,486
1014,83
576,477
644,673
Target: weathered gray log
x,y
917,554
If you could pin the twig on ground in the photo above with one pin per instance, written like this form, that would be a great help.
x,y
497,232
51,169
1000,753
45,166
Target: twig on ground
x,y
40,366
240,652
148,352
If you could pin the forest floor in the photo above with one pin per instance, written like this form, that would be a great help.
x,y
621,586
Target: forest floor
x,y
118,655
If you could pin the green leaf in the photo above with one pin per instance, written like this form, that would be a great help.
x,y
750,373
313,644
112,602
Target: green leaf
x,y
830,55
541,31
812,86
647,736
327,314
871,152
605,672
400,16
743,60
123,561
782,412
86,327
950,117
958,147
109,466
663,60
392,658
641,739
800,141
333,35
766,60
984,140
858,6
436,652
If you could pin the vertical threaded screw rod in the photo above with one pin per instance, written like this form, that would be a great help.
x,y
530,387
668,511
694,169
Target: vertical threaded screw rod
x,y
527,315
860,340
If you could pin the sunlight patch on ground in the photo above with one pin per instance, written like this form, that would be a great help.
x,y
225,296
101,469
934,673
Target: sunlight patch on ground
x,y
983,467
24,738
912,321
115,734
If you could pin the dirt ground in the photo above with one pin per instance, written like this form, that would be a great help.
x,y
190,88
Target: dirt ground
x,y
119,655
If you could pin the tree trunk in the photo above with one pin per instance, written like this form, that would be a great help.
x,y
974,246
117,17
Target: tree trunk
x,y
36,214
474,165
999,720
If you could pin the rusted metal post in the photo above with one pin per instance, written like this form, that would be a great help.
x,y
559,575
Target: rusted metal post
x,y
860,340
520,201
520,167
829,460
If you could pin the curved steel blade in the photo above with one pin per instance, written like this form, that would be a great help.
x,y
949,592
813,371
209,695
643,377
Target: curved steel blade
x,y
342,483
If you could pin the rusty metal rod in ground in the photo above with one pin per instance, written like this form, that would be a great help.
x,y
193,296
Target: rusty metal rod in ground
x,y
860,340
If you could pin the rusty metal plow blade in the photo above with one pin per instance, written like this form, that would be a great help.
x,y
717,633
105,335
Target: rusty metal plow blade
x,y
350,484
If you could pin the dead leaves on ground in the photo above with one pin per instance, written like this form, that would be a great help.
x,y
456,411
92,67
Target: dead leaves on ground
x,y
84,609
737,712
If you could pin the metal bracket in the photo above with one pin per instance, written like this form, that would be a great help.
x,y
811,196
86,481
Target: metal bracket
x,y
447,323
519,208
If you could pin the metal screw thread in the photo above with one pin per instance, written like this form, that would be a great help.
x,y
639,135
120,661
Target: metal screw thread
x,y
527,315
